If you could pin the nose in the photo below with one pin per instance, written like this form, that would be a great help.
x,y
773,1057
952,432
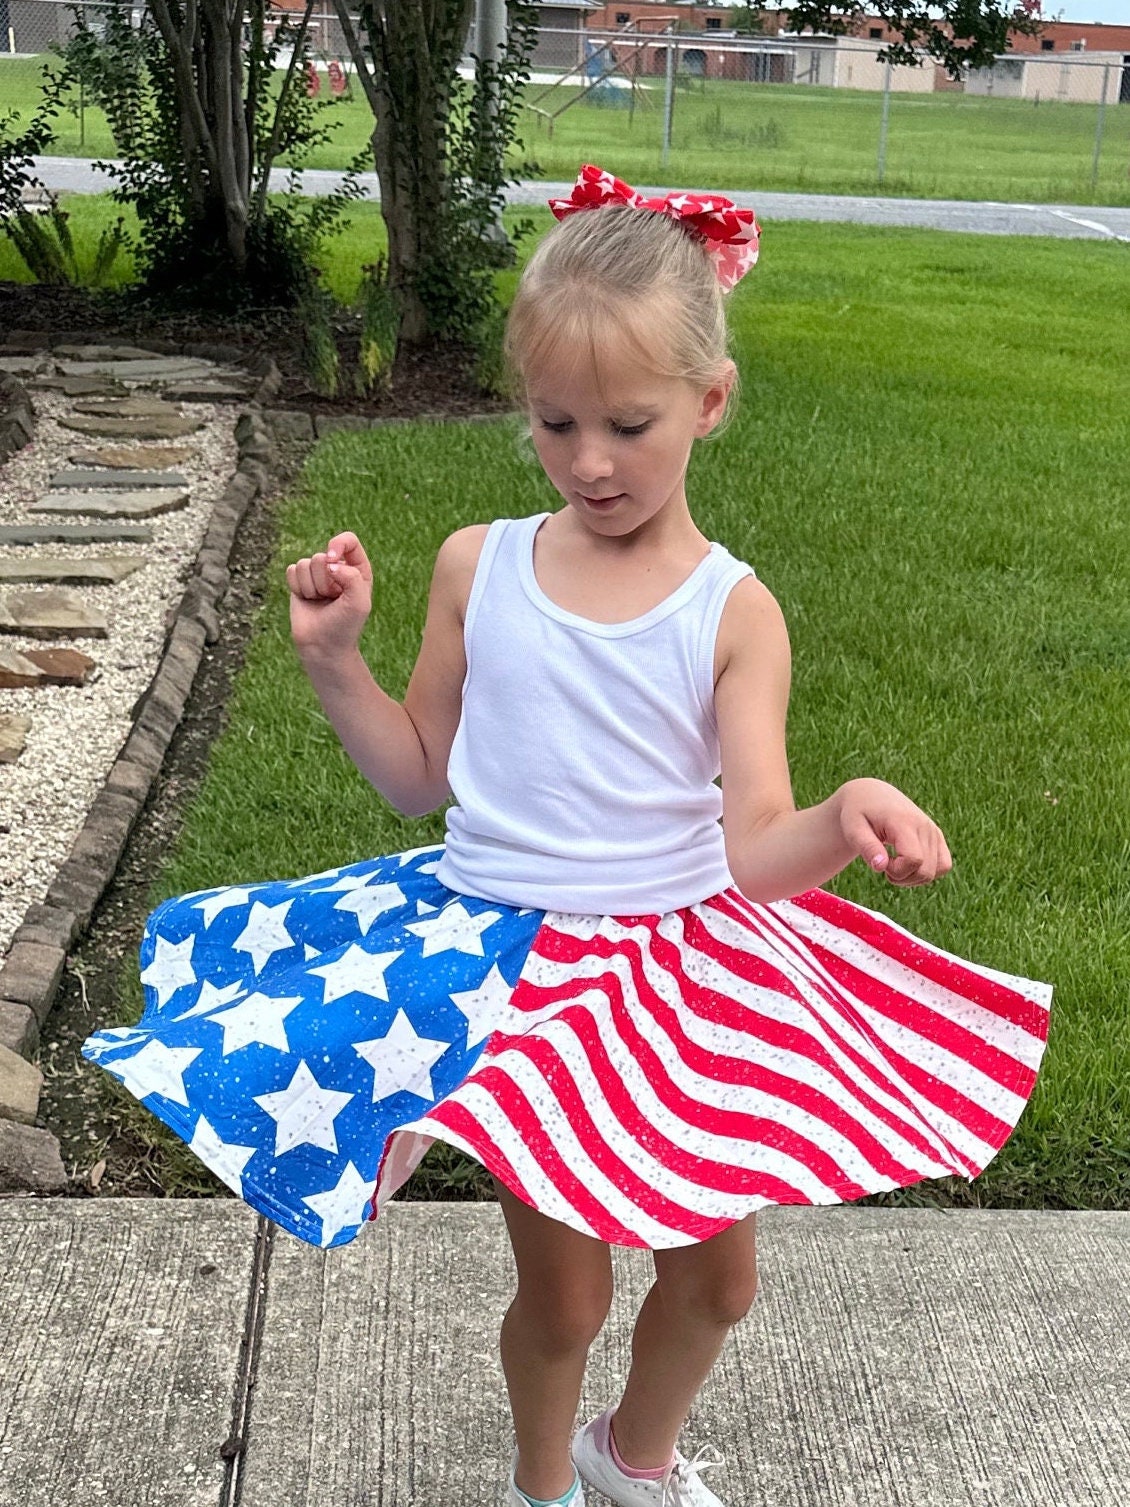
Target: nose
x,y
591,460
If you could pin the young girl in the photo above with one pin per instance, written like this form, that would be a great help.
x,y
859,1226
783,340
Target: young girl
x,y
599,986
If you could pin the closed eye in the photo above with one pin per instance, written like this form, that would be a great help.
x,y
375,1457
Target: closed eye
x,y
627,430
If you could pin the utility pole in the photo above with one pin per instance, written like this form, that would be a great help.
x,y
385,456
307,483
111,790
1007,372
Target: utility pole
x,y
490,44
669,94
881,165
490,28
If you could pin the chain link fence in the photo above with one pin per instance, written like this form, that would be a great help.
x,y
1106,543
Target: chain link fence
x,y
816,114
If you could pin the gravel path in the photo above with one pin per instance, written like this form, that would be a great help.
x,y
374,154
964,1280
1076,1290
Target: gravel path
x,y
77,731
1066,221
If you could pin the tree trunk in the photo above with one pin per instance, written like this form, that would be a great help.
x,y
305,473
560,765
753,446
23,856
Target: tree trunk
x,y
416,46
207,56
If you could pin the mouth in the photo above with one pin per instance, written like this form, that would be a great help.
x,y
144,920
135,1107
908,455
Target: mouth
x,y
601,502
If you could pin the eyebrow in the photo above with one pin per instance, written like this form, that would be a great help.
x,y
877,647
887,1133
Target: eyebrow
x,y
641,410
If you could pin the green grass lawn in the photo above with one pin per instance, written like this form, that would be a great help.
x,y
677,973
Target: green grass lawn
x,y
928,468
768,136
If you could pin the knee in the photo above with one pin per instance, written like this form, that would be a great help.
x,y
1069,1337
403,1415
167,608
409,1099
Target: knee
x,y
564,1317
720,1298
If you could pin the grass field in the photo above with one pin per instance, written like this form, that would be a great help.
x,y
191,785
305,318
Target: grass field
x,y
928,468
771,136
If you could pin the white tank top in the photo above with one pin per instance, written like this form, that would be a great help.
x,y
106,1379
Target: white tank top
x,y
584,760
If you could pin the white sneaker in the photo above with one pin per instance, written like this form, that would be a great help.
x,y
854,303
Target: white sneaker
x,y
681,1486
514,1497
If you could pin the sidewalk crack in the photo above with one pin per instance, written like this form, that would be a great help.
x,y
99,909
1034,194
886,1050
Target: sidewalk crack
x,y
233,1451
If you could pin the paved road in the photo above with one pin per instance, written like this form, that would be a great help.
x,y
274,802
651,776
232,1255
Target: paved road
x,y
1087,222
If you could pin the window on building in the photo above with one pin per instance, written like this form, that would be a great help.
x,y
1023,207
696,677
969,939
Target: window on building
x,y
714,23
1048,44
1080,46
876,33
623,17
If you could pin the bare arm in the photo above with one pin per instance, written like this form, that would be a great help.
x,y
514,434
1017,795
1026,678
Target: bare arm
x,y
401,748
773,849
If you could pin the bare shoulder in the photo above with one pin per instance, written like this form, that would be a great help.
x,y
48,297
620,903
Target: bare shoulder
x,y
456,561
752,625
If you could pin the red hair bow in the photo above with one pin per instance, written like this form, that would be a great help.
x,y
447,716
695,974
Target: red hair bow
x,y
730,234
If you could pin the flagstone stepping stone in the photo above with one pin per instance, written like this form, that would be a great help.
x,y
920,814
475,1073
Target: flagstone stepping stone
x,y
22,366
61,666
75,387
228,391
112,504
23,668
134,457
75,533
90,480
52,613
166,427
17,670
105,570
13,736
103,353
152,369
127,407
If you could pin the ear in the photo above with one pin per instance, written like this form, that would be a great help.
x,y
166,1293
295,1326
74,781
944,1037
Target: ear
x,y
712,405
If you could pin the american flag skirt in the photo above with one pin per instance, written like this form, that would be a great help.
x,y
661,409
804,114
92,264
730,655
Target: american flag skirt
x,y
647,1080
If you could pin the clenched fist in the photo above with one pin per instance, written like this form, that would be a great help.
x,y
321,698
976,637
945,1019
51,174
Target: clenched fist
x,y
331,597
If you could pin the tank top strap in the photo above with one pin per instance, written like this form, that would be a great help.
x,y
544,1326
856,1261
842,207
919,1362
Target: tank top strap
x,y
505,540
725,573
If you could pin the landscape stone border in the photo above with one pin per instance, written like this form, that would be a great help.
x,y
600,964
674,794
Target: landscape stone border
x,y
17,416
30,1157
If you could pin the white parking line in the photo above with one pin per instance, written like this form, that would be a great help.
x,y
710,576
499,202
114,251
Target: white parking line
x,y
1062,214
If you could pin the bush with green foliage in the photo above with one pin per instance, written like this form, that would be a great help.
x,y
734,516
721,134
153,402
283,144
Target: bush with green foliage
x,y
197,124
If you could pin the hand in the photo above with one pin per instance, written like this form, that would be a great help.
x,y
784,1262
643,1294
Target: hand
x,y
874,816
330,598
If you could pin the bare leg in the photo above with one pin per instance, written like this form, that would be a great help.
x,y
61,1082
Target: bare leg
x,y
700,1293
564,1294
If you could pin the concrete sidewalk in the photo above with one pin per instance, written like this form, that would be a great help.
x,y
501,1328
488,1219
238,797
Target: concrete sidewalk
x,y
895,1358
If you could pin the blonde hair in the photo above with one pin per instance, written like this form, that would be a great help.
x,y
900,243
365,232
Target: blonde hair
x,y
614,276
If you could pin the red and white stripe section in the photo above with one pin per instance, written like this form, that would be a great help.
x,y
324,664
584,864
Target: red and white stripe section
x,y
657,1078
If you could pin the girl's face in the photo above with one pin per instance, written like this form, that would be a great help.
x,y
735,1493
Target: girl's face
x,y
614,438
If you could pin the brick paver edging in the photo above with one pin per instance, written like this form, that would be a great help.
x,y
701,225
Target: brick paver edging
x,y
30,1157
